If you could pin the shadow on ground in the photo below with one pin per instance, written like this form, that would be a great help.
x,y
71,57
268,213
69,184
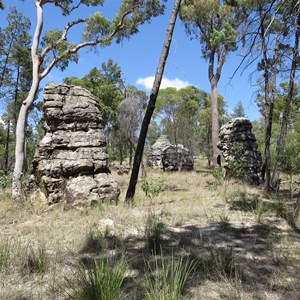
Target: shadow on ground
x,y
221,251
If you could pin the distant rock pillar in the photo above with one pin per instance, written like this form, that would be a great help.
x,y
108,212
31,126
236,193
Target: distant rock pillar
x,y
71,161
239,149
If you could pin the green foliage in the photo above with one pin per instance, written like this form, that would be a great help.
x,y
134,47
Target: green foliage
x,y
141,12
238,111
101,281
152,188
217,173
153,233
227,35
96,27
185,117
4,179
166,282
53,40
239,162
106,84
290,159
214,23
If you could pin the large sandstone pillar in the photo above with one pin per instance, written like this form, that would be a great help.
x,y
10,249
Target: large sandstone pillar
x,y
71,162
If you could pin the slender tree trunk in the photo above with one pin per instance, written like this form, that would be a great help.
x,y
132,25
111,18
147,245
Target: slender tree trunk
x,y
15,100
7,148
130,153
214,120
269,106
22,119
288,103
5,63
121,153
151,104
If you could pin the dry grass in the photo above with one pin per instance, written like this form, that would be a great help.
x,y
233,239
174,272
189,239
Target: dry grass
x,y
240,253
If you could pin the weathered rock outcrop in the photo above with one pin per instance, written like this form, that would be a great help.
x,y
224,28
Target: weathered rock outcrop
x,y
155,153
164,155
239,150
70,163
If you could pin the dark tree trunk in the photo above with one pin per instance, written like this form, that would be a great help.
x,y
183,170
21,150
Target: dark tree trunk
x,y
7,148
151,105
288,103
121,153
269,106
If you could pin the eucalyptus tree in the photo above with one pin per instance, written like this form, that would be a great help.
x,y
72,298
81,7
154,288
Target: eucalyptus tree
x,y
272,24
204,124
151,103
178,113
55,49
15,68
215,24
130,112
291,11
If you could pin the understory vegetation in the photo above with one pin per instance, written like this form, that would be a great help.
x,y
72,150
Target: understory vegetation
x,y
195,237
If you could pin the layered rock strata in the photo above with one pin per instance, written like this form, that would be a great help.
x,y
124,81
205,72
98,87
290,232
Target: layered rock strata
x,y
164,155
71,162
241,157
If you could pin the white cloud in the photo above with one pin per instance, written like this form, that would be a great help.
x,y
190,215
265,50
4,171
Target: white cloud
x,y
177,83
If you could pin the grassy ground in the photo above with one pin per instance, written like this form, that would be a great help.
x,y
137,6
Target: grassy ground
x,y
239,244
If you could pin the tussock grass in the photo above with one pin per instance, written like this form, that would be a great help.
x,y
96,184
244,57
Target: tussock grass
x,y
241,245
165,281
154,229
101,281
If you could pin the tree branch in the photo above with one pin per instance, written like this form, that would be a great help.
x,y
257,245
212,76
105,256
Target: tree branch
x,y
63,36
75,49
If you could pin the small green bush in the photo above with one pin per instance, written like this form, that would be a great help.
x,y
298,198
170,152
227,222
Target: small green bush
x,y
152,188
239,163
5,179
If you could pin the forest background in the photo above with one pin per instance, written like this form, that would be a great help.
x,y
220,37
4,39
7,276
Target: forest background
x,y
124,72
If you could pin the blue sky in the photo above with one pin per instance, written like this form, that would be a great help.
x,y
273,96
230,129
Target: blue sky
x,y
138,57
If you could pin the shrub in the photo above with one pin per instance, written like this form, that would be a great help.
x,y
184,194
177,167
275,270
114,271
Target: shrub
x,y
239,163
152,188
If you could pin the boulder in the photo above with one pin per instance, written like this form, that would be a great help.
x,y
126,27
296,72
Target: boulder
x,y
240,151
71,161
